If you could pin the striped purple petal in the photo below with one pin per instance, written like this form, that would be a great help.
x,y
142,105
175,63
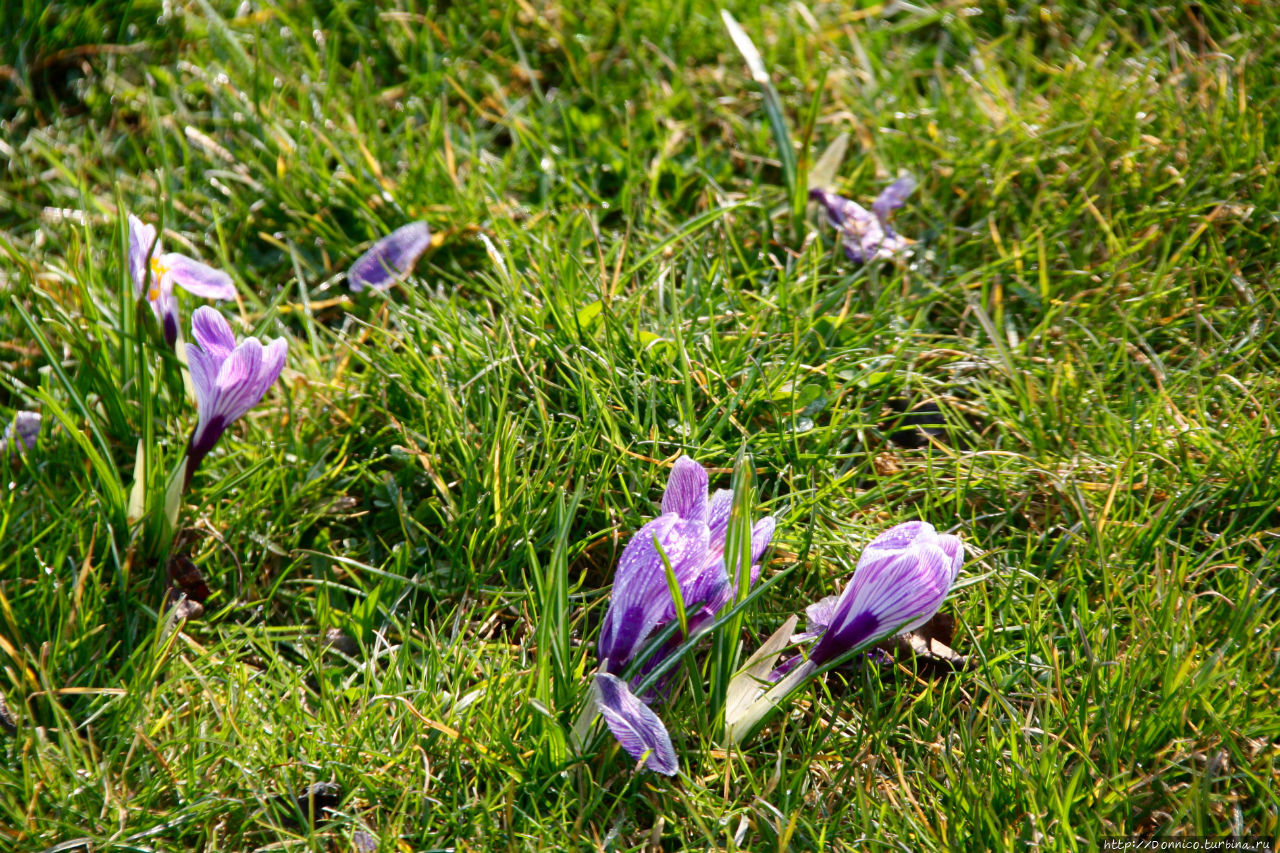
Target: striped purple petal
x,y
718,509
686,493
213,333
391,258
761,536
229,378
638,729
641,597
954,549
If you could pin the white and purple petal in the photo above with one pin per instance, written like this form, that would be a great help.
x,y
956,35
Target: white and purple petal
x,y
954,549
142,239
229,378
637,728
391,258
198,278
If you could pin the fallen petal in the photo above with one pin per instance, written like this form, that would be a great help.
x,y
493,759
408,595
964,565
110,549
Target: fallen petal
x,y
894,196
390,258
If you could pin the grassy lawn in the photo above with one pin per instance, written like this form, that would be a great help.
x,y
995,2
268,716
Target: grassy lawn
x,y
409,544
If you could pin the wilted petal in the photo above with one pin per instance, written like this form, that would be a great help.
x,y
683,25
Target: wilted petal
x,y
894,196
686,493
818,618
142,238
635,725
864,235
868,240
839,209
198,278
390,258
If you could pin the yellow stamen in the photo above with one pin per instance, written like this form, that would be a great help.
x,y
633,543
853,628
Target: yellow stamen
x,y
158,271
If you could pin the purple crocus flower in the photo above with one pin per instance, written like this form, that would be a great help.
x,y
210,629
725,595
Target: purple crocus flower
x,y
691,533
635,725
900,582
229,378
155,273
390,259
25,426
866,234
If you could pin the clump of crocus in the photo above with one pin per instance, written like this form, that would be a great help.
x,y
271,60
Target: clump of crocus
x,y
901,580
866,234
25,426
690,536
155,273
229,379
390,259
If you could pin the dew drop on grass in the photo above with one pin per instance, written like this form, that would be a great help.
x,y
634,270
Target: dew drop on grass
x,y
802,424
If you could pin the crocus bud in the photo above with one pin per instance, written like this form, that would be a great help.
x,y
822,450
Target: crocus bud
x,y
229,378
900,582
